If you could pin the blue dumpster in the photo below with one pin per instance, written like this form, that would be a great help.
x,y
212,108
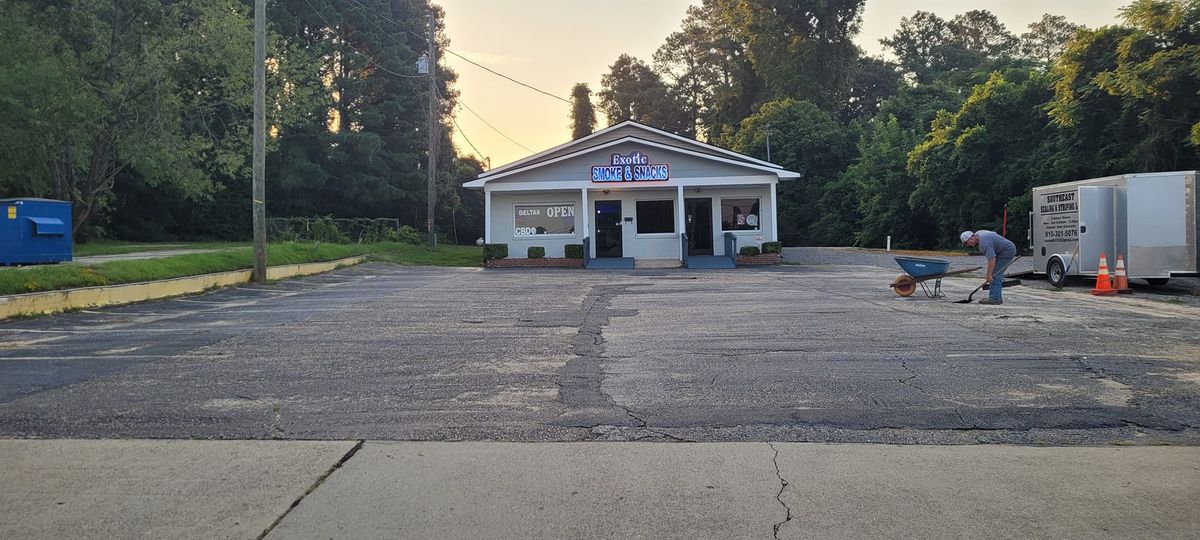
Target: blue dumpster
x,y
34,231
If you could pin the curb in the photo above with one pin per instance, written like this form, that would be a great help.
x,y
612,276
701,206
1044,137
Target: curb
x,y
41,303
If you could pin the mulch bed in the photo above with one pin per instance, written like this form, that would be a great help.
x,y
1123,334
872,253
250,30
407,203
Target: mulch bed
x,y
534,263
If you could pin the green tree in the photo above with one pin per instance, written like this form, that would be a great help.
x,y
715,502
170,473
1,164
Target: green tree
x,y
41,107
708,70
583,114
929,47
980,32
634,91
362,151
1047,39
122,54
802,49
806,139
883,185
915,107
873,81
920,45
988,153
1106,129
1132,90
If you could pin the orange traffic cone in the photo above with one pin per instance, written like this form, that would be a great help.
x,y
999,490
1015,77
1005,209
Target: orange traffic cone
x,y
1103,282
1122,284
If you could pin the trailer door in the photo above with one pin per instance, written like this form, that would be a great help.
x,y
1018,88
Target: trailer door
x,y
1159,226
1096,228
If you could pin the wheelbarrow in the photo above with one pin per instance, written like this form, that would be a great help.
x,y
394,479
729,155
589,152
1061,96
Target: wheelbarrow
x,y
919,271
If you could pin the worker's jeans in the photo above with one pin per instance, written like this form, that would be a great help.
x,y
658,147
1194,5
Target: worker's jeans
x,y
994,289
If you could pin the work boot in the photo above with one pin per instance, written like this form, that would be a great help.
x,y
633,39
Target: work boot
x,y
990,302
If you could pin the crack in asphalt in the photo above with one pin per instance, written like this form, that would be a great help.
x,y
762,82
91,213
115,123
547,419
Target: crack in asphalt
x,y
907,381
783,484
584,374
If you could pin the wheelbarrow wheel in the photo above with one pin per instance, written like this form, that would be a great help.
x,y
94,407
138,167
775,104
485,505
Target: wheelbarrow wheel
x,y
904,285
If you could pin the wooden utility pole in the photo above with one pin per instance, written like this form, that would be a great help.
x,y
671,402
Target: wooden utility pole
x,y
260,141
431,188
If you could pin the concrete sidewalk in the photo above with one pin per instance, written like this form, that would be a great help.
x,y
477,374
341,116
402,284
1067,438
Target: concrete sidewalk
x,y
241,489
155,489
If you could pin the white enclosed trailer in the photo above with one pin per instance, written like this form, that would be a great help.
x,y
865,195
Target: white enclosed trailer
x,y
1148,218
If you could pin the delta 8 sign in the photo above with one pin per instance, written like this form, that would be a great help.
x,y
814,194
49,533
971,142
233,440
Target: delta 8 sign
x,y
635,167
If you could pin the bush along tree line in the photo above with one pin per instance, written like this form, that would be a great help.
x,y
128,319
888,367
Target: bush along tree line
x,y
139,113
957,128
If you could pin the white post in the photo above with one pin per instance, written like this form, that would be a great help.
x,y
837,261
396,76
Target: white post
x,y
487,215
680,220
889,244
774,215
587,215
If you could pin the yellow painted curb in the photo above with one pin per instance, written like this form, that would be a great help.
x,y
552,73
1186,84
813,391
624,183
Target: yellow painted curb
x,y
111,295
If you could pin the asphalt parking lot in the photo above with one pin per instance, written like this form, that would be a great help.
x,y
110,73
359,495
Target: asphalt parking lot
x,y
817,351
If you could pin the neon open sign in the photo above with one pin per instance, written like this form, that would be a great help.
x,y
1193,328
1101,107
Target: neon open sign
x,y
634,167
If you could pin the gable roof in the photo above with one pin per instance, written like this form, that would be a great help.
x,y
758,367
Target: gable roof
x,y
595,140
771,168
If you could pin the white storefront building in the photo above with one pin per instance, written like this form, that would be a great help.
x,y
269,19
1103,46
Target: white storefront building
x,y
632,192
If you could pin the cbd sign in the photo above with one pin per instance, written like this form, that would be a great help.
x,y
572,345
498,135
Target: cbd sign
x,y
634,167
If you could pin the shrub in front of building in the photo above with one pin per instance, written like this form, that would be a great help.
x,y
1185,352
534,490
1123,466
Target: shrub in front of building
x,y
748,251
772,247
536,252
495,251
574,251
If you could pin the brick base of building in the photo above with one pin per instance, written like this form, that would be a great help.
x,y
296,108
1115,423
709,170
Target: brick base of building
x,y
534,263
760,259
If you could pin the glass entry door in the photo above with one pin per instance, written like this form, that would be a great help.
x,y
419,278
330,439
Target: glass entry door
x,y
699,226
608,229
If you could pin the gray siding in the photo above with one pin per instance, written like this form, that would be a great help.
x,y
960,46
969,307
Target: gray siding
x,y
657,246
504,224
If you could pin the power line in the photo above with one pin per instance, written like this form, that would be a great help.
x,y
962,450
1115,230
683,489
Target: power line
x,y
494,72
461,130
488,124
465,138
465,59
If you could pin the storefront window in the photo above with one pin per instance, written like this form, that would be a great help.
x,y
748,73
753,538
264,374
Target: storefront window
x,y
655,217
539,219
740,215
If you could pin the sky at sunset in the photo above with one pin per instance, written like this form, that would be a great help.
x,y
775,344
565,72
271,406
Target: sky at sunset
x,y
553,44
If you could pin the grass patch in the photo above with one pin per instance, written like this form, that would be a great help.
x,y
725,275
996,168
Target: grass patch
x,y
69,276
410,255
119,247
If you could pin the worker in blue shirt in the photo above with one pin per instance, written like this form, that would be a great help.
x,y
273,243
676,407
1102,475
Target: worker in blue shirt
x,y
999,252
